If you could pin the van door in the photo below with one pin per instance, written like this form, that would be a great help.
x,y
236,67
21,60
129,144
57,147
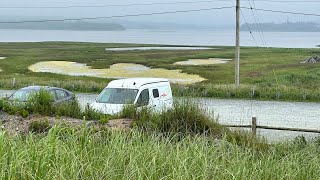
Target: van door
x,y
143,99
155,99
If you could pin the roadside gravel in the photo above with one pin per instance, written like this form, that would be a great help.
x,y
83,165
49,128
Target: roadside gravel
x,y
15,124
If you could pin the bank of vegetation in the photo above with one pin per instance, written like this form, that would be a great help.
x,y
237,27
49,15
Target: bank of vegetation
x,y
266,73
83,154
254,92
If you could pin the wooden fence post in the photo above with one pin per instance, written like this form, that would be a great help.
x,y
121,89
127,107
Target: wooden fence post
x,y
14,82
254,126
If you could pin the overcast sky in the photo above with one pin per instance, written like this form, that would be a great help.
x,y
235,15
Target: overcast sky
x,y
214,17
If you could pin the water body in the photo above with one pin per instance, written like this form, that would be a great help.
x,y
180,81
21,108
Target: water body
x,y
116,71
172,37
199,62
157,48
268,113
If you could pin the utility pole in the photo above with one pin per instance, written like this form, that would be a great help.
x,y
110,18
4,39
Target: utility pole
x,y
237,57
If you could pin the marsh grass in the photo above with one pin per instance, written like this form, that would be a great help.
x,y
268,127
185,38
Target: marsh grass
x,y
188,118
86,154
263,68
279,93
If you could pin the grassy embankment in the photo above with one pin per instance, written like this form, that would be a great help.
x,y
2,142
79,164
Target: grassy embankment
x,y
182,143
67,154
273,73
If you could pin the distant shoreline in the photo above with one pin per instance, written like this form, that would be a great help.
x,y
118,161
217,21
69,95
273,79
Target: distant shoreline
x,y
71,26
178,37
98,30
282,27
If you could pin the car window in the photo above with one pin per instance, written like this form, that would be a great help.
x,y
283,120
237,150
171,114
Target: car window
x,y
21,95
53,95
143,99
61,94
155,93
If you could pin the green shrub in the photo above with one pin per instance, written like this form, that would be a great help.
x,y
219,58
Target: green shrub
x,y
185,117
129,111
69,109
41,102
24,113
6,106
12,108
40,126
104,119
91,114
1,104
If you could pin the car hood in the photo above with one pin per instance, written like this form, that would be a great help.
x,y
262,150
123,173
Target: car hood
x,y
106,108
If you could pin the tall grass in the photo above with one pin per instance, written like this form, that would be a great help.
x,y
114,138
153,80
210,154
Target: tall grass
x,y
65,154
258,92
185,117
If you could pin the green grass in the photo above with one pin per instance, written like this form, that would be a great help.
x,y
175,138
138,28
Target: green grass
x,y
269,69
257,92
85,154
184,118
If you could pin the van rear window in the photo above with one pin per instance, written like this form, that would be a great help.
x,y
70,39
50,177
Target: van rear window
x,y
155,93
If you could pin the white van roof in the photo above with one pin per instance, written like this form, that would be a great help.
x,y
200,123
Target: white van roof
x,y
135,83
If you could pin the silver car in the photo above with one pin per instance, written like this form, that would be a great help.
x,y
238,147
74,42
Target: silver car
x,y
59,95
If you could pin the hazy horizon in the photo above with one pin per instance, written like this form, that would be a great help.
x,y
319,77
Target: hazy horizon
x,y
212,18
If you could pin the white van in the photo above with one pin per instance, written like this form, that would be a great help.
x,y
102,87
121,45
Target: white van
x,y
154,93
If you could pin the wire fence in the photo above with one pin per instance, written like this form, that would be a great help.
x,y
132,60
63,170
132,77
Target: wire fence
x,y
254,126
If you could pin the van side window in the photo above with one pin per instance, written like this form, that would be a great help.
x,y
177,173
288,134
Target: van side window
x,y
155,93
143,99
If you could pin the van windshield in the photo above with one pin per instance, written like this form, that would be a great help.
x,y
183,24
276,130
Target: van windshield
x,y
117,96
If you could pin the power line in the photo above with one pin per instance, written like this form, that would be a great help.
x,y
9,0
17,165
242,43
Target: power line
x,y
244,18
255,22
283,12
257,25
117,16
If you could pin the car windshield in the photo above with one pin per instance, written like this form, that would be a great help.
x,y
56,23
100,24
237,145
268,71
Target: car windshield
x,y
117,96
21,95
